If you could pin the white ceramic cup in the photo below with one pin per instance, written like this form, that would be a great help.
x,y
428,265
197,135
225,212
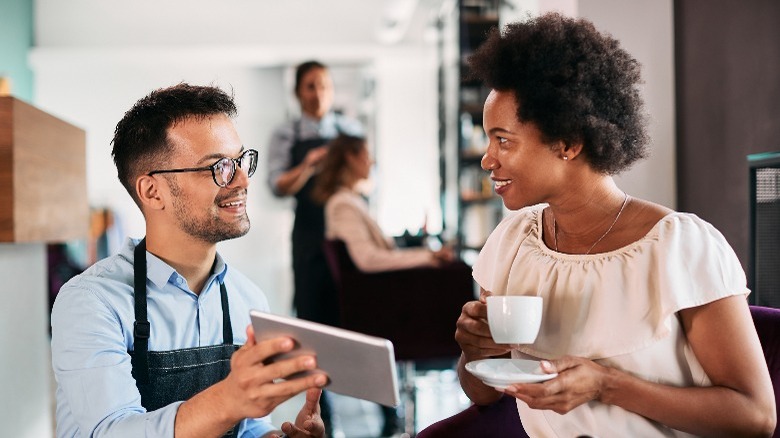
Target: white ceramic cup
x,y
514,319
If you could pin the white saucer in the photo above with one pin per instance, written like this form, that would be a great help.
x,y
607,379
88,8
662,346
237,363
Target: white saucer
x,y
500,373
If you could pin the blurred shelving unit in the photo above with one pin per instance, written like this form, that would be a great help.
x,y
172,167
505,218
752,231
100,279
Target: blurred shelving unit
x,y
478,208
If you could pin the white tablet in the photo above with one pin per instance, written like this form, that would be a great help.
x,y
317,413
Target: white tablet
x,y
357,365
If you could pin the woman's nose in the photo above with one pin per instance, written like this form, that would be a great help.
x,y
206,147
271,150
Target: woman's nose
x,y
488,162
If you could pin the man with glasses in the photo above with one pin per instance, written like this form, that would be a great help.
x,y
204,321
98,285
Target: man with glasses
x,y
143,342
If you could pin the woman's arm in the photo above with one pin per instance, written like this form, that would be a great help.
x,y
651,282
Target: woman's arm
x,y
740,401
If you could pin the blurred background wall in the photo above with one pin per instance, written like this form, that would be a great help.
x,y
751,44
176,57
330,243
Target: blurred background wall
x,y
88,61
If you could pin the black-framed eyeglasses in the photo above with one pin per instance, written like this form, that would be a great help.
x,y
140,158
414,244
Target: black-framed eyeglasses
x,y
224,169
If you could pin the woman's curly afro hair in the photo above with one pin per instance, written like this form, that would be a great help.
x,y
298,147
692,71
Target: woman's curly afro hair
x,y
574,83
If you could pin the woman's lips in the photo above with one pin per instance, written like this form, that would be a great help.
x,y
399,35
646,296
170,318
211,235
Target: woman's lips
x,y
501,185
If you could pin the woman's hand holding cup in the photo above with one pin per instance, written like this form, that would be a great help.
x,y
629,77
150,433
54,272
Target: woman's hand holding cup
x,y
473,333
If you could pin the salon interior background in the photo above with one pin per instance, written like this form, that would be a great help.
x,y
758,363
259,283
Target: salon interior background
x,y
91,59
87,61
710,70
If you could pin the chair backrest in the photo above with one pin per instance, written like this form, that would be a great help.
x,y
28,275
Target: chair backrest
x,y
338,259
416,309
497,420
767,322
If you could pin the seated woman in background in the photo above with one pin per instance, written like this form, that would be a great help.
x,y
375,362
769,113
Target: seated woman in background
x,y
644,319
346,212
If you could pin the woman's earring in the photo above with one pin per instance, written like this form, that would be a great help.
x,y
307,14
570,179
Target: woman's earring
x,y
565,157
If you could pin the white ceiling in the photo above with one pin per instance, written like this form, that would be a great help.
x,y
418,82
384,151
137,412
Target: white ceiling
x,y
122,23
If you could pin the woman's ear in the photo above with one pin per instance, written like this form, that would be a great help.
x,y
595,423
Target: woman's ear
x,y
147,188
569,151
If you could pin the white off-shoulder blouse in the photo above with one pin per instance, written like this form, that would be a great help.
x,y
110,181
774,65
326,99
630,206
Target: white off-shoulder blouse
x,y
617,308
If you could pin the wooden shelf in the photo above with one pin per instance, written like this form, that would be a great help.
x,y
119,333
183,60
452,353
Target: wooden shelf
x,y
43,184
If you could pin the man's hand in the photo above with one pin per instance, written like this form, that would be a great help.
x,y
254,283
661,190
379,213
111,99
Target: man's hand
x,y
250,387
291,181
308,423
251,390
314,156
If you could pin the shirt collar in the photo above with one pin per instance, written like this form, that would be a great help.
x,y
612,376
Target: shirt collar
x,y
160,273
327,118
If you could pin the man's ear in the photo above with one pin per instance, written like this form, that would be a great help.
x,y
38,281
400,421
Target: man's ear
x,y
148,189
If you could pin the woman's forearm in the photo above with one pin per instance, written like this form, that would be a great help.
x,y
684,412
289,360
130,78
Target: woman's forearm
x,y
291,181
476,391
703,411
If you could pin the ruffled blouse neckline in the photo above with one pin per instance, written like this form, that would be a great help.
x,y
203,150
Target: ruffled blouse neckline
x,y
538,228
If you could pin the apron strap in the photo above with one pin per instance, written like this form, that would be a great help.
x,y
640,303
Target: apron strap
x,y
297,130
141,327
227,327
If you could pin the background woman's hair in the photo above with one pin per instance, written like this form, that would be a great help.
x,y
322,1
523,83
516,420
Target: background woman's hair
x,y
304,68
574,83
335,167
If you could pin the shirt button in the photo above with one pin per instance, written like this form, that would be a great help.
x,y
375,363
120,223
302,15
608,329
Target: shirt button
x,y
179,281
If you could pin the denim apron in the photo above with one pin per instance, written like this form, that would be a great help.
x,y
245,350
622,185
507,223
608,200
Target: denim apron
x,y
165,377
315,296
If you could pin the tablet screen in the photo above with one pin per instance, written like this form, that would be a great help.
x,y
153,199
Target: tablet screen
x,y
357,365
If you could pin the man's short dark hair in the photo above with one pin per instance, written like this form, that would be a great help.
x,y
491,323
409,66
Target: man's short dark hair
x,y
574,83
141,137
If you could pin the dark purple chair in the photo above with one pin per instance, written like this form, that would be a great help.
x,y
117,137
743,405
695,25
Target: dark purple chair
x,y
497,420
416,309
501,418
767,321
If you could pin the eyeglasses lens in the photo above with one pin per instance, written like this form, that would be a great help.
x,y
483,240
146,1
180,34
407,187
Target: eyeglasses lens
x,y
248,162
223,171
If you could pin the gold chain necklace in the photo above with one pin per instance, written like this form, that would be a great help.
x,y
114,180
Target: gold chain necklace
x,y
555,227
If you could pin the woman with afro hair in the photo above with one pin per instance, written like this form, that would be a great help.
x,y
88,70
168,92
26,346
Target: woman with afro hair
x,y
644,319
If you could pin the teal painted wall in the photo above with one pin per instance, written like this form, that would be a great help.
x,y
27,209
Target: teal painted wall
x,y
16,40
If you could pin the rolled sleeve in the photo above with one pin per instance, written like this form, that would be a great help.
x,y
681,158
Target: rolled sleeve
x,y
279,154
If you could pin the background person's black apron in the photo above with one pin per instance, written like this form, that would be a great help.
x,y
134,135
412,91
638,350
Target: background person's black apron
x,y
165,377
315,296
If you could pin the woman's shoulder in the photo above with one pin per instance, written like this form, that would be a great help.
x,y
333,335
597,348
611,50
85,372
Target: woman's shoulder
x,y
514,228
344,198
688,229
343,194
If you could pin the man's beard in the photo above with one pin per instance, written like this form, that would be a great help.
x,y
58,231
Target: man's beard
x,y
212,228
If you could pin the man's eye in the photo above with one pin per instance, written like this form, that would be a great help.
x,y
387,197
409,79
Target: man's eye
x,y
501,139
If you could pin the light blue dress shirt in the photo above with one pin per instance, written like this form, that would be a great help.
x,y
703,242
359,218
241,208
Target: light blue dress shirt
x,y
282,139
92,331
